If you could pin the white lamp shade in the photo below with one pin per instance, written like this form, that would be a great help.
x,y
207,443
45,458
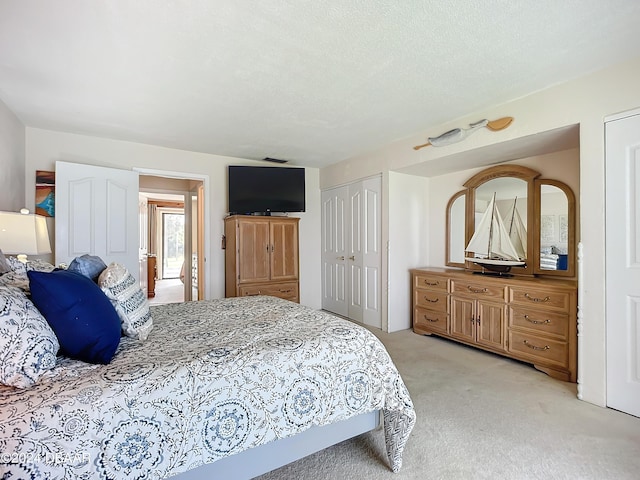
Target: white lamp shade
x,y
23,234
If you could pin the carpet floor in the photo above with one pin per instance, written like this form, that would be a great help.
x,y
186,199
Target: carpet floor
x,y
482,416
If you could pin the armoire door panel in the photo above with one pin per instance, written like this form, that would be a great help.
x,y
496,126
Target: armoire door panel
x,y
284,251
253,248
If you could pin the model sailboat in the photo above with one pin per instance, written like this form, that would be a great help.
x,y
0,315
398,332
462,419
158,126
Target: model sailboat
x,y
494,247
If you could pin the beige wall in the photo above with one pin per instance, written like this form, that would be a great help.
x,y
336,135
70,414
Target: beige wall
x,y
584,102
45,147
12,148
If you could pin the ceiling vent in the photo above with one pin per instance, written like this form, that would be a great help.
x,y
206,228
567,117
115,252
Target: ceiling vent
x,y
274,160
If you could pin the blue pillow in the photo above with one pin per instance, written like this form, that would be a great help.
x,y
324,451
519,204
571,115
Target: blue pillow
x,y
88,265
80,314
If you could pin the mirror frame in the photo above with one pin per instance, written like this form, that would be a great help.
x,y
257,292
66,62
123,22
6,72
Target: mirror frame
x,y
534,186
516,171
448,221
571,227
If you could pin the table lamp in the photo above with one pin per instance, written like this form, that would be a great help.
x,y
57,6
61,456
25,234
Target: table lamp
x,y
23,234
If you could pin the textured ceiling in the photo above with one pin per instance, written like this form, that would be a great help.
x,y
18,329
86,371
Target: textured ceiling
x,y
312,82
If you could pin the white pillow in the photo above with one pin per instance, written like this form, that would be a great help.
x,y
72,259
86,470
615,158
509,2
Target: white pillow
x,y
28,346
129,300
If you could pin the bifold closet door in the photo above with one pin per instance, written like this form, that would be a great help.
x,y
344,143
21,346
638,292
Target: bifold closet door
x,y
334,250
351,251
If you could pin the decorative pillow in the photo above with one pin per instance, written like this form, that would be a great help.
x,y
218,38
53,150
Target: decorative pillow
x,y
4,265
128,299
28,346
17,277
82,317
90,266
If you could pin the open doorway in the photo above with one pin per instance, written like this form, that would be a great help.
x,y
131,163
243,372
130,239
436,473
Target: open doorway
x,y
175,238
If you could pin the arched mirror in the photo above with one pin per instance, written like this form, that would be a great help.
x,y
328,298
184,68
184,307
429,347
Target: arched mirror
x,y
513,222
555,243
456,234
499,212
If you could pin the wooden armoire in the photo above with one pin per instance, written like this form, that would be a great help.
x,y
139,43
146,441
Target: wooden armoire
x,y
261,256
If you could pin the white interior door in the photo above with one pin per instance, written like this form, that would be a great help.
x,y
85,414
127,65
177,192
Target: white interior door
x,y
143,242
623,263
370,253
355,287
334,250
351,256
97,213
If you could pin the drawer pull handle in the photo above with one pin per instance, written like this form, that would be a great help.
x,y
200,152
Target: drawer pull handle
x,y
535,299
477,290
427,282
431,319
432,301
536,322
285,291
533,347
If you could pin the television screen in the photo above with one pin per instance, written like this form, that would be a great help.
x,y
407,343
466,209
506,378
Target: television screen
x,y
266,189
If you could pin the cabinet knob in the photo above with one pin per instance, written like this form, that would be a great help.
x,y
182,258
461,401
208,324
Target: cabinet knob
x,y
352,257
341,257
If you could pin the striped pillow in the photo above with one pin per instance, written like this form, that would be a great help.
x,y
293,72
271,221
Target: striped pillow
x,y
128,299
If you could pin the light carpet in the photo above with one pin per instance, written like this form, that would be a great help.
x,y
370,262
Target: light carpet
x,y
482,416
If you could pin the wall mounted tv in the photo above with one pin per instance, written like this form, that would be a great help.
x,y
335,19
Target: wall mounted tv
x,y
266,189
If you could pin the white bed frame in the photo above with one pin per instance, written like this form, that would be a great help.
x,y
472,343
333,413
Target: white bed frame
x,y
264,458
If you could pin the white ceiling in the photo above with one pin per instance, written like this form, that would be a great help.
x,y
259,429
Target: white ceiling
x,y
312,82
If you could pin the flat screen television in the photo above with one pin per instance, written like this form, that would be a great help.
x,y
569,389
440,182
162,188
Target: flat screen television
x,y
265,189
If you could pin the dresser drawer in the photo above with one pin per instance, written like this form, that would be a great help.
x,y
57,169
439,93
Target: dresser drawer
x,y
432,282
430,320
538,350
431,300
542,321
477,289
540,298
288,291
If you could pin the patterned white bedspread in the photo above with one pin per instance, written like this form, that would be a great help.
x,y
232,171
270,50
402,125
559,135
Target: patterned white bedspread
x,y
213,378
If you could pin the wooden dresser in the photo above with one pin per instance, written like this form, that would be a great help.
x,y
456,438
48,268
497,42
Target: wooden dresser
x,y
531,319
261,256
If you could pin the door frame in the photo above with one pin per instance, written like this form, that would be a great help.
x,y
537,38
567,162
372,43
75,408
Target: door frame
x,y
205,205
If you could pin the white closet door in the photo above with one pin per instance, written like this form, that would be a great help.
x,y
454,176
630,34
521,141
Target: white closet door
x,y
334,250
351,255
623,263
371,254
97,213
355,287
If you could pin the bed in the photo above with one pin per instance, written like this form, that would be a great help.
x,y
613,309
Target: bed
x,y
216,387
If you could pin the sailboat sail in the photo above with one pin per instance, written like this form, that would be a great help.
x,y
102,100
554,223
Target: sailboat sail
x,y
491,242
518,233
